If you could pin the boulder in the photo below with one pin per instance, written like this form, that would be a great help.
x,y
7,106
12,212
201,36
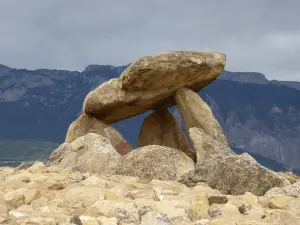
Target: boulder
x,y
292,178
155,162
86,124
196,113
151,82
90,153
123,210
205,146
291,190
85,195
161,128
275,191
170,69
15,198
234,175
280,202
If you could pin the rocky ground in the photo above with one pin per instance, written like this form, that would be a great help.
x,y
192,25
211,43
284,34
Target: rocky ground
x,y
46,195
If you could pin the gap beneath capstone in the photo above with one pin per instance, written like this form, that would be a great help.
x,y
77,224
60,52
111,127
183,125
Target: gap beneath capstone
x,y
135,124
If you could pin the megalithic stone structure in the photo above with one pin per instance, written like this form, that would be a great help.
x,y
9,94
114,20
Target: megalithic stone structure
x,y
151,82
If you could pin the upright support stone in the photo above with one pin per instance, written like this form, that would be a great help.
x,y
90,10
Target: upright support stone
x,y
196,113
86,124
161,128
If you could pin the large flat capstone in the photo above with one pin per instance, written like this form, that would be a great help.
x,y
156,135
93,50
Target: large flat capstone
x,y
151,82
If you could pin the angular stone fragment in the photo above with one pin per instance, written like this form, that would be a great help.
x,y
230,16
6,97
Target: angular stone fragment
x,y
217,199
161,128
15,198
87,124
90,153
30,195
206,146
85,195
222,210
293,189
234,175
292,178
155,162
155,218
124,211
275,191
143,194
20,215
279,202
151,82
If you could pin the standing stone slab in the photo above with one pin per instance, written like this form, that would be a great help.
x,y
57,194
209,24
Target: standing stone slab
x,y
151,82
86,124
196,113
161,128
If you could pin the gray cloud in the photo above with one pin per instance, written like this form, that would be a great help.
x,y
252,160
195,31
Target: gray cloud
x,y
256,35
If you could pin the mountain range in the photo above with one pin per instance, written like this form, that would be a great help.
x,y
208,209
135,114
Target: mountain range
x,y
258,116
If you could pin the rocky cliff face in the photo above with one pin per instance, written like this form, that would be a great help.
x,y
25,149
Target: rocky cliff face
x,y
258,116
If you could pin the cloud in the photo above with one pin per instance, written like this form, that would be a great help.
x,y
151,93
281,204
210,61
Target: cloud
x,y
261,36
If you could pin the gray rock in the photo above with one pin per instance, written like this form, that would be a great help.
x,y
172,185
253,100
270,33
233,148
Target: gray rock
x,y
293,189
155,162
86,124
170,69
75,220
89,153
233,175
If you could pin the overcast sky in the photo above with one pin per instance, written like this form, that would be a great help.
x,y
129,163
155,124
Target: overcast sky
x,y
256,35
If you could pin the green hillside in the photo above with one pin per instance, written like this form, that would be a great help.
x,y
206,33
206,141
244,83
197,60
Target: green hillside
x,y
13,152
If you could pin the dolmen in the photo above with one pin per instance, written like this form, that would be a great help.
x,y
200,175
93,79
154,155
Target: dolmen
x,y
156,83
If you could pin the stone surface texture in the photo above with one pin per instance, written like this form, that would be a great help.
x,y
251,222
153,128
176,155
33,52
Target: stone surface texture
x,y
92,199
155,162
196,113
91,153
151,82
86,124
161,128
206,147
234,175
